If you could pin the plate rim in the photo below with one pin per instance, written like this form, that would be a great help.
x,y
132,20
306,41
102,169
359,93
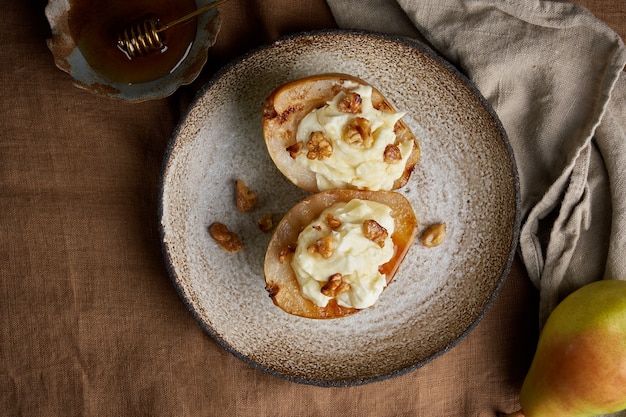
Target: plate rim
x,y
441,60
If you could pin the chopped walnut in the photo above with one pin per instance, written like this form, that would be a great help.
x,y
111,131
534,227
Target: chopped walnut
x,y
392,154
246,198
285,253
375,232
324,246
358,132
227,240
351,103
335,286
434,235
266,223
332,222
294,149
319,147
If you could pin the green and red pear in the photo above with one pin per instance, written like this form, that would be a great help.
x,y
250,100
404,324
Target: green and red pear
x,y
579,367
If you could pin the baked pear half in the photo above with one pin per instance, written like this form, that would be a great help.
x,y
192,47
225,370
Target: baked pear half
x,y
335,131
337,291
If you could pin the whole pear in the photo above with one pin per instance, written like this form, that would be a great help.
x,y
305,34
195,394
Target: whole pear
x,y
579,367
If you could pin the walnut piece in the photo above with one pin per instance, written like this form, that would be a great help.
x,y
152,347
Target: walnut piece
x,y
434,235
358,132
375,232
350,103
335,286
286,253
246,199
323,246
392,154
332,222
294,150
227,240
266,223
319,147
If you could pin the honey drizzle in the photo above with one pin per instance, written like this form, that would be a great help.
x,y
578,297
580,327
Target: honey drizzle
x,y
95,26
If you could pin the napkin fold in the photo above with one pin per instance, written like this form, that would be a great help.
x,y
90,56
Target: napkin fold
x,y
554,74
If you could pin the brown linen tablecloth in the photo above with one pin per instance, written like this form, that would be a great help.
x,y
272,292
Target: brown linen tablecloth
x,y
90,322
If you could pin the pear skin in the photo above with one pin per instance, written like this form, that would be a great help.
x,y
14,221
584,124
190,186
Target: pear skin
x,y
579,367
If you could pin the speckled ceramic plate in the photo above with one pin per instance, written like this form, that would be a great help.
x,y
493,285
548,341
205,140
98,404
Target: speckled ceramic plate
x,y
69,57
466,177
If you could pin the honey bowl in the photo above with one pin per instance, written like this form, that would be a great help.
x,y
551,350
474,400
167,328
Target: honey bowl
x,y
84,45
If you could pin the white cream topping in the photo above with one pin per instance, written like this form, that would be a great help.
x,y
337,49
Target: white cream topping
x,y
354,256
353,165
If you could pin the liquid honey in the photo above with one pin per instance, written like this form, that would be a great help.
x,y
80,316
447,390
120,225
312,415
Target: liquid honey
x,y
96,24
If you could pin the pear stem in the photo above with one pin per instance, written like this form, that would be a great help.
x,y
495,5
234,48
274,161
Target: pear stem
x,y
515,414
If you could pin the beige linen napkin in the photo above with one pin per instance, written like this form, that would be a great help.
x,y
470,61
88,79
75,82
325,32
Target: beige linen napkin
x,y
553,73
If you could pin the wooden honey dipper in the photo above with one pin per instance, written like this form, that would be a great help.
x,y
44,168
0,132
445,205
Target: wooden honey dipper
x,y
146,36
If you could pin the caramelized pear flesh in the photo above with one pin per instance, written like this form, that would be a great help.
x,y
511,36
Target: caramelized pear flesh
x,y
579,368
281,282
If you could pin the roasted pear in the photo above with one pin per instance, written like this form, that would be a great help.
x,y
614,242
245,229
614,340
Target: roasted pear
x,y
281,281
579,367
287,106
